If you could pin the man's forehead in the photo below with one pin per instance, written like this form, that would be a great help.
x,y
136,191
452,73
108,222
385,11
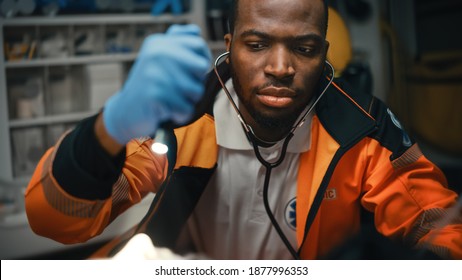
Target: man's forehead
x,y
281,9
243,4
262,12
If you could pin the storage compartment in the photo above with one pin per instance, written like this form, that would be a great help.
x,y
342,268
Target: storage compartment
x,y
20,43
54,42
25,94
67,90
28,145
88,40
119,39
103,80
435,98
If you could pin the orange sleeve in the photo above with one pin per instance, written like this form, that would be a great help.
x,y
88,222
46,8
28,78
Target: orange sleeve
x,y
55,214
410,200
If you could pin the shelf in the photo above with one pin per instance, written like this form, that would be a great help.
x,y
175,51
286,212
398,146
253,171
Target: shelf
x,y
58,119
89,59
76,60
96,19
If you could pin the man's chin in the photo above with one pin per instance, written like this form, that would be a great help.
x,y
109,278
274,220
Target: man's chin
x,y
274,122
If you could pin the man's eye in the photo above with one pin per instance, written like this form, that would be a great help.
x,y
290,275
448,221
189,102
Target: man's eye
x,y
256,46
304,49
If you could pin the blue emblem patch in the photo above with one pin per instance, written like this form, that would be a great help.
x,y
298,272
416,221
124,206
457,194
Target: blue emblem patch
x,y
290,215
406,140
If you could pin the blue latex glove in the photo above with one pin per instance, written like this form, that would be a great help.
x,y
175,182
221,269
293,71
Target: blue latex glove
x,y
165,83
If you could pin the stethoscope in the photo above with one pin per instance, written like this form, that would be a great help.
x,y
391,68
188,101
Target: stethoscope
x,y
255,140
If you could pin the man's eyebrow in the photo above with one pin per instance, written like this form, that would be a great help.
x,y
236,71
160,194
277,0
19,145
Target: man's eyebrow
x,y
309,37
253,32
300,38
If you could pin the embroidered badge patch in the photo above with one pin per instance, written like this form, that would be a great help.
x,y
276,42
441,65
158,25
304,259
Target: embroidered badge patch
x,y
290,215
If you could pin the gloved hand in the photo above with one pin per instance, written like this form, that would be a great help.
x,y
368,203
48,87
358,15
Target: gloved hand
x,y
164,84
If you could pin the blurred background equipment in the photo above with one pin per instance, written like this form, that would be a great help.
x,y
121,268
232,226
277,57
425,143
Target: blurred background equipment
x,y
359,10
348,69
424,56
427,71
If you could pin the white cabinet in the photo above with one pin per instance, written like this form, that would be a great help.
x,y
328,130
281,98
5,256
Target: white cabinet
x,y
57,70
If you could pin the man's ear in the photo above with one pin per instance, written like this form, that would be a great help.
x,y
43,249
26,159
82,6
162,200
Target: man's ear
x,y
327,44
228,40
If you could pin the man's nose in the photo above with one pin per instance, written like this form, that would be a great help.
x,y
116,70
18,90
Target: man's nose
x,y
279,63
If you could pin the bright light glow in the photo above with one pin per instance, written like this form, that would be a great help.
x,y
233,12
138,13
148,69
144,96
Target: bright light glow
x,y
159,148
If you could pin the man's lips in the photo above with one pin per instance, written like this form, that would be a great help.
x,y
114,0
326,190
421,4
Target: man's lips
x,y
278,97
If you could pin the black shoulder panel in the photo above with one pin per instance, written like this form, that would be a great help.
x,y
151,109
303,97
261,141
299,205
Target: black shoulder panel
x,y
345,117
350,116
390,132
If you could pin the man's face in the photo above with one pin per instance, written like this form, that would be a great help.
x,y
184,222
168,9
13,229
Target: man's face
x,y
277,55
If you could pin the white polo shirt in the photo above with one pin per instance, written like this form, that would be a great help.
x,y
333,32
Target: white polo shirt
x,y
230,221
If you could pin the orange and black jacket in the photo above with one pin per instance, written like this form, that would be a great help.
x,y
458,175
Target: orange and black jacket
x,y
360,161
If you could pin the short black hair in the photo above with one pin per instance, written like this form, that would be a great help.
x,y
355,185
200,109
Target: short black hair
x,y
233,11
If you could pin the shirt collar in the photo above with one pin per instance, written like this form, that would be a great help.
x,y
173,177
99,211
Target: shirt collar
x,y
231,135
